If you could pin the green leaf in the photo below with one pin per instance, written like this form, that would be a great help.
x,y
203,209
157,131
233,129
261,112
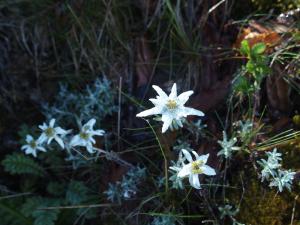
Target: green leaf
x,y
76,193
20,164
33,207
250,66
245,48
296,36
10,214
45,217
56,188
258,49
242,85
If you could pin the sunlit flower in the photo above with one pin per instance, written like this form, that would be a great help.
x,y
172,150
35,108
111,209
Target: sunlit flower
x,y
50,132
32,146
170,107
195,167
85,137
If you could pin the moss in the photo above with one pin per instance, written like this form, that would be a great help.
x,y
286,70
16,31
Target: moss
x,y
281,5
261,206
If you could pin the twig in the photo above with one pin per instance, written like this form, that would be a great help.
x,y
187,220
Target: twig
x,y
119,112
215,6
78,206
165,158
294,207
15,195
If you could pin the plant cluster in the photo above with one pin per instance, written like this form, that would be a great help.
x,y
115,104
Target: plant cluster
x,y
272,171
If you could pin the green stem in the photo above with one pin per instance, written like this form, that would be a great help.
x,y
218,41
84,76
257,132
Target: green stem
x,y
165,159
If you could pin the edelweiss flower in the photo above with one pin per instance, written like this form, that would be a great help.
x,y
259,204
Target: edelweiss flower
x,y
32,146
170,107
270,165
50,132
227,146
283,179
85,137
195,167
175,169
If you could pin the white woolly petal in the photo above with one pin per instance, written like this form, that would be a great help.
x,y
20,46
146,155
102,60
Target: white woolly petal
x,y
175,168
158,102
185,171
49,140
29,138
52,122
173,93
98,132
76,140
195,154
41,148
187,155
194,181
90,149
149,112
203,158
90,123
43,127
207,170
190,111
59,130
92,140
184,97
42,138
24,147
160,92
31,151
59,141
167,122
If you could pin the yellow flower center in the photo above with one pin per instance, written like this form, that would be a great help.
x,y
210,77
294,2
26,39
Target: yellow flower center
x,y
49,132
171,104
84,135
196,167
32,144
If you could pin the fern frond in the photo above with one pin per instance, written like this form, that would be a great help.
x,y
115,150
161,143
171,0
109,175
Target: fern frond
x,y
20,164
10,214
76,193
36,207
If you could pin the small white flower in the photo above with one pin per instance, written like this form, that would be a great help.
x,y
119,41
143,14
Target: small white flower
x,y
283,179
85,137
32,146
227,210
271,165
273,159
227,146
170,107
195,167
50,132
175,169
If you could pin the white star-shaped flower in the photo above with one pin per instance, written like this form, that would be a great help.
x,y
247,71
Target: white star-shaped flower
x,y
195,167
50,132
283,179
32,146
170,107
227,146
85,137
